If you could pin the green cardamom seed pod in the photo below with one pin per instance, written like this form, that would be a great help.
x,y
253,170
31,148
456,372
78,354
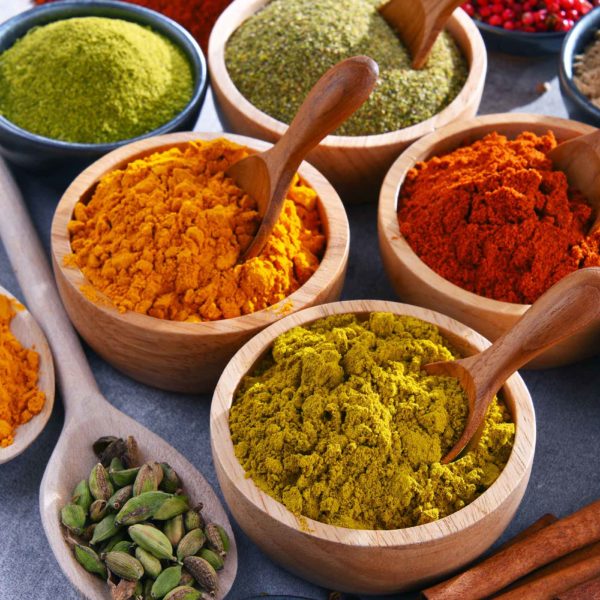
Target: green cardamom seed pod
x,y
173,529
165,582
100,485
193,518
82,495
153,540
170,482
213,558
105,529
190,544
151,564
183,593
175,505
158,472
73,518
118,499
139,589
114,540
145,480
89,560
131,457
141,508
203,572
187,579
98,510
115,465
147,595
217,538
124,565
122,546
124,477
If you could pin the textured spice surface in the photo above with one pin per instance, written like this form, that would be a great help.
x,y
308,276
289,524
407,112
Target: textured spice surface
x,y
496,219
163,236
20,398
340,424
93,80
276,56
586,71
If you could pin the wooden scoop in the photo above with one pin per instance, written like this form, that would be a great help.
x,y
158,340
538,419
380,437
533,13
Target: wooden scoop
x,y
579,158
88,415
418,22
566,308
267,176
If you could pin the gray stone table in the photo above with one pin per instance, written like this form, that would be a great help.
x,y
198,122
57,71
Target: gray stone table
x,y
566,473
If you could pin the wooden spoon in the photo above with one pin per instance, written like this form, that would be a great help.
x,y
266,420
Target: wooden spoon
x,y
418,22
88,415
566,308
579,158
29,334
266,177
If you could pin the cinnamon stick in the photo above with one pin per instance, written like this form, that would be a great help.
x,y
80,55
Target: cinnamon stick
x,y
542,522
507,566
590,590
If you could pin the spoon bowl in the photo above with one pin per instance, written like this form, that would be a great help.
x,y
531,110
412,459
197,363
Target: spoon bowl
x,y
27,331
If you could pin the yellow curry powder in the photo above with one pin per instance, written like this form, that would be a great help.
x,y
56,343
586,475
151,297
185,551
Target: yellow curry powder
x,y
20,398
163,236
340,424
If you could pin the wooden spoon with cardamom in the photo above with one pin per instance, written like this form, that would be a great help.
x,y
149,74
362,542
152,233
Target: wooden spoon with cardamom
x,y
88,415
566,308
418,22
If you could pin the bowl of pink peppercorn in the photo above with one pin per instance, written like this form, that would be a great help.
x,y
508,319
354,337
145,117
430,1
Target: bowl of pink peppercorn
x,y
526,27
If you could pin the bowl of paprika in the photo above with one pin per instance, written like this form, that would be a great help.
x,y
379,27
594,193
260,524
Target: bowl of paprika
x,y
474,221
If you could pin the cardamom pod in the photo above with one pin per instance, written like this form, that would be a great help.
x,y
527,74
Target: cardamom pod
x,y
124,477
203,572
89,560
82,495
115,465
175,505
98,510
118,499
114,540
131,457
100,485
115,450
183,593
122,546
212,557
153,540
190,544
170,482
147,595
124,565
158,472
73,518
139,589
105,529
187,579
174,530
88,532
101,444
166,581
151,564
145,480
217,538
141,508
193,518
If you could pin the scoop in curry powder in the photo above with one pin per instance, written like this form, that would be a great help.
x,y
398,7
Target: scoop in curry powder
x,y
20,398
163,236
340,423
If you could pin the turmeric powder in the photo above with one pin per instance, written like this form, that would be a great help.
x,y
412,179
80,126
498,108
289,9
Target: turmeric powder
x,y
340,424
163,236
20,398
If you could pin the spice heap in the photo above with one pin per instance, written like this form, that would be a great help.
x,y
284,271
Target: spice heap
x,y
276,56
340,423
177,229
586,71
122,80
20,398
496,219
197,16
132,526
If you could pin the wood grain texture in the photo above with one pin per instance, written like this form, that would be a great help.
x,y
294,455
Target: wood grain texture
x,y
184,357
415,282
24,327
364,561
87,414
357,165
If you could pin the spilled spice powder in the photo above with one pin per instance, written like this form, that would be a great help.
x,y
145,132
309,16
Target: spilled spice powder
x,y
496,219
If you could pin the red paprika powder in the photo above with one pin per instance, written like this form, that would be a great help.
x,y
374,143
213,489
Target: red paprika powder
x,y
496,219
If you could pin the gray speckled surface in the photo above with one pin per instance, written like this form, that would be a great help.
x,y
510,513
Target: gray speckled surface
x,y
566,473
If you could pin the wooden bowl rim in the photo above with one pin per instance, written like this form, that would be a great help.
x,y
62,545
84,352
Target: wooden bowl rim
x,y
27,433
508,481
388,224
239,10
334,258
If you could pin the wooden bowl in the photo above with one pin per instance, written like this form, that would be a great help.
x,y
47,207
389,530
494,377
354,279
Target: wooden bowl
x,y
184,357
366,561
415,282
355,165
25,328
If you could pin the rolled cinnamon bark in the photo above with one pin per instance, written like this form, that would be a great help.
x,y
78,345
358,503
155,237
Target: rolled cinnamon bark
x,y
542,522
590,590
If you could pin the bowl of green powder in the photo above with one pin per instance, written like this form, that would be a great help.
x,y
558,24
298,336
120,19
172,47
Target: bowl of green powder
x,y
79,79
327,437
265,55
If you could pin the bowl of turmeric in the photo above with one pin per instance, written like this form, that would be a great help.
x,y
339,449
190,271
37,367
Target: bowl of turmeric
x,y
264,56
327,438
146,244
476,221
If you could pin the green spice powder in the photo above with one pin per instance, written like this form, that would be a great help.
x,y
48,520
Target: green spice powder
x,y
93,80
340,423
276,56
